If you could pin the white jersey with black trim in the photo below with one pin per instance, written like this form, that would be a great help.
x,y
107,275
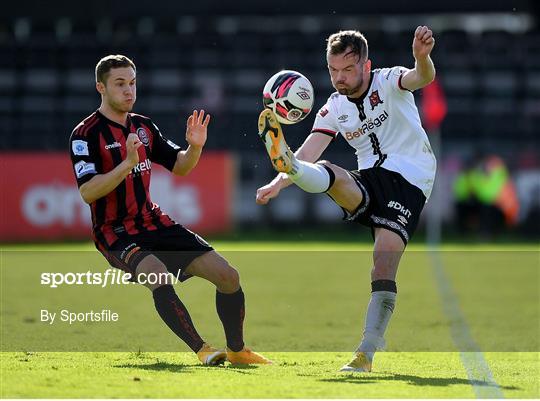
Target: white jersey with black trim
x,y
384,127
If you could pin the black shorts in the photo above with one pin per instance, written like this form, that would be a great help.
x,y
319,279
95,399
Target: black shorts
x,y
390,202
175,246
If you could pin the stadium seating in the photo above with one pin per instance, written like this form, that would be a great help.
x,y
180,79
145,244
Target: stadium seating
x,y
491,78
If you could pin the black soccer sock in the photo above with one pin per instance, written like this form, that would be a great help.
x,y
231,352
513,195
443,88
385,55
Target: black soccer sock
x,y
231,311
175,315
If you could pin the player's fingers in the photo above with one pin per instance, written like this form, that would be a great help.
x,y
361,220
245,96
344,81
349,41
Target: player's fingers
x,y
426,35
206,121
133,140
190,121
200,119
417,31
261,200
259,195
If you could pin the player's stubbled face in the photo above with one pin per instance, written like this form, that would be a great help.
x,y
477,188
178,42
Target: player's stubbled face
x,y
345,72
121,89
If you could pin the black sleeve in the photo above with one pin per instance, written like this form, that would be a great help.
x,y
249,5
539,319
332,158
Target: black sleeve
x,y
164,151
84,157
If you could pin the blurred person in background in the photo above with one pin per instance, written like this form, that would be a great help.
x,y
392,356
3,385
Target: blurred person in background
x,y
485,197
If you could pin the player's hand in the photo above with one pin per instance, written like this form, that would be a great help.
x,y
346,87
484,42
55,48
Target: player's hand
x,y
423,42
133,143
264,194
196,129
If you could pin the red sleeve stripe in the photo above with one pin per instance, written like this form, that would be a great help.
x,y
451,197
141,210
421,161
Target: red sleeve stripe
x,y
325,132
87,126
401,86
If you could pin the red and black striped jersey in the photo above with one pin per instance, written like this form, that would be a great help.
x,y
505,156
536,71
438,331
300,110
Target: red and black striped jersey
x,y
97,146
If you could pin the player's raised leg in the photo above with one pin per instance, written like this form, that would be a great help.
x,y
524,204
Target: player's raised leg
x,y
317,177
386,256
311,177
174,313
230,304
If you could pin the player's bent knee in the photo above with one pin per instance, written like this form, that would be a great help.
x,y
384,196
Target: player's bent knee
x,y
341,176
388,241
229,280
386,255
152,273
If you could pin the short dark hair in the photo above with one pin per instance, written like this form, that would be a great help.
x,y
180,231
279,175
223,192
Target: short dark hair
x,y
109,62
339,42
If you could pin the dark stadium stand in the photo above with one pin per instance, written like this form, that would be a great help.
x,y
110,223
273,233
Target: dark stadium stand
x,y
491,77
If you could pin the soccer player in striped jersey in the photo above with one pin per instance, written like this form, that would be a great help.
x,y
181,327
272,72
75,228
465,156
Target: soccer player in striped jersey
x,y
112,152
374,111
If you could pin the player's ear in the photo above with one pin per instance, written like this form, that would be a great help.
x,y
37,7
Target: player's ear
x,y
367,65
100,87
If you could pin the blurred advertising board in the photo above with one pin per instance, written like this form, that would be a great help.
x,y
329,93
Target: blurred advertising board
x,y
40,199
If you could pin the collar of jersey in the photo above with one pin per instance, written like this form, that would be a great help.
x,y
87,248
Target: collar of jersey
x,y
360,100
111,122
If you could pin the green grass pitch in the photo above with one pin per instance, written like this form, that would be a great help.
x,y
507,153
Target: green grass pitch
x,y
305,310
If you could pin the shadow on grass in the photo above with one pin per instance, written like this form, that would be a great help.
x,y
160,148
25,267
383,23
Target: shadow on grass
x,y
412,380
179,367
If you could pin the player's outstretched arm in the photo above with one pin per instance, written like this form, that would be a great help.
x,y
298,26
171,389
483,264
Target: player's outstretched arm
x,y
196,134
424,70
102,184
310,151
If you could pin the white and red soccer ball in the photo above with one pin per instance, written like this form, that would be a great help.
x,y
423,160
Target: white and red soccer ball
x,y
289,94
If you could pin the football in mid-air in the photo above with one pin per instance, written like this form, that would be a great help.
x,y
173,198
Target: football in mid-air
x,y
289,94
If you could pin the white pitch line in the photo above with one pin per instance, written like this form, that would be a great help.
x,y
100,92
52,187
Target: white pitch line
x,y
478,372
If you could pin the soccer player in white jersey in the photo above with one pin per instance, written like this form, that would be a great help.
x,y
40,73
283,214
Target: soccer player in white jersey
x,y
375,112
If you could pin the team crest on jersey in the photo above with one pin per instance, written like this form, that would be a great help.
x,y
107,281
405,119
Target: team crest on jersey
x,y
374,99
323,112
143,136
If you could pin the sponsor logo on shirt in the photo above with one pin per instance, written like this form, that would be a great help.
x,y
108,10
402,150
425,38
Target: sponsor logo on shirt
x,y
367,126
343,118
79,148
82,168
143,136
143,167
113,145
